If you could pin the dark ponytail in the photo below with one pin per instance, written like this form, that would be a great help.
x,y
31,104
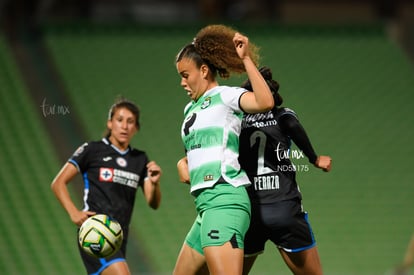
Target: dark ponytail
x,y
273,84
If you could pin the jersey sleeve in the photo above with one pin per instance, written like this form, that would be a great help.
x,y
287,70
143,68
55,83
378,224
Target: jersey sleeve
x,y
290,124
79,157
231,97
144,173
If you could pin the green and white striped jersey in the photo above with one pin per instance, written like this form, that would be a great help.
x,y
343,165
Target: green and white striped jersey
x,y
210,133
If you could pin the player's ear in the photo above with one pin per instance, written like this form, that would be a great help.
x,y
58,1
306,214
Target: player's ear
x,y
204,70
109,124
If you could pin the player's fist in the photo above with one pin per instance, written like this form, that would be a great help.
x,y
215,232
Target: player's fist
x,y
324,162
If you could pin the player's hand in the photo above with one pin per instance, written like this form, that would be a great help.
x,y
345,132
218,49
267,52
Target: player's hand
x,y
79,217
154,172
241,44
324,162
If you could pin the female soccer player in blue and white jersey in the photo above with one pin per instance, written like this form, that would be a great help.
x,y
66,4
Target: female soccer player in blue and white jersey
x,y
210,133
112,173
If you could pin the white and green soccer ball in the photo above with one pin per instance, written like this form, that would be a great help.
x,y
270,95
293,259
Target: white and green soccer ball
x,y
100,236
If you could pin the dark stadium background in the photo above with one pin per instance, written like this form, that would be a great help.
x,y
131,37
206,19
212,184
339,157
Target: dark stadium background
x,y
346,67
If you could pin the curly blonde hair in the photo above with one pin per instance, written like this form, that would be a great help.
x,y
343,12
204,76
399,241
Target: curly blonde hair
x,y
214,44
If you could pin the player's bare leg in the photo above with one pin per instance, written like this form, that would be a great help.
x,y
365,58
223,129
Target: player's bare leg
x,y
306,262
118,268
190,262
224,260
408,260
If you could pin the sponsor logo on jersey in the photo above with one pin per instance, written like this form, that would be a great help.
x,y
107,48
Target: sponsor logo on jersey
x,y
118,176
106,174
121,162
259,120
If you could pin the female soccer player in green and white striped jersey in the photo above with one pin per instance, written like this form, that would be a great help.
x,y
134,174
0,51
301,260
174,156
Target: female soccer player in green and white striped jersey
x,y
210,133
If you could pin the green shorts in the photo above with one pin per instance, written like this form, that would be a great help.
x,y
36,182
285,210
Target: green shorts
x,y
223,216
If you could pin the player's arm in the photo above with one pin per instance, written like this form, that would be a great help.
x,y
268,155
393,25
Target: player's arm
x,y
182,168
291,125
59,188
151,188
261,100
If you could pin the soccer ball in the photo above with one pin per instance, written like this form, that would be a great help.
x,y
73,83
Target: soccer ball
x,y
100,236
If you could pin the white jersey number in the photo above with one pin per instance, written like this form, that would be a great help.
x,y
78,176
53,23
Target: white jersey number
x,y
260,137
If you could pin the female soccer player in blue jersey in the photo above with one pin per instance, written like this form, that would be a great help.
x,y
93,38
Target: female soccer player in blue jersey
x,y
112,173
210,131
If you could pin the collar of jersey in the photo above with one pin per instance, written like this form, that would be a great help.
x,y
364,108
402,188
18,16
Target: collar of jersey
x,y
108,142
207,94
